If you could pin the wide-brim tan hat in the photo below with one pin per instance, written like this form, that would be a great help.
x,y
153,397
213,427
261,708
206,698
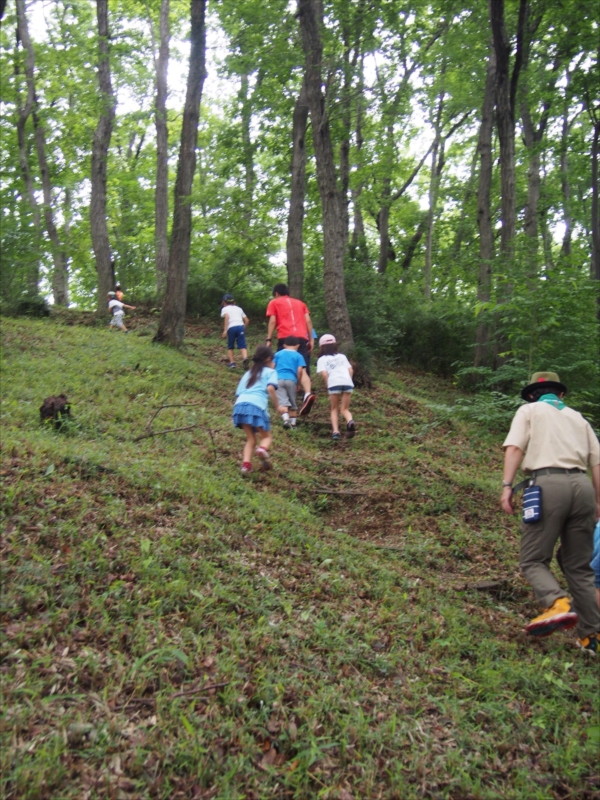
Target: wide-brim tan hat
x,y
543,380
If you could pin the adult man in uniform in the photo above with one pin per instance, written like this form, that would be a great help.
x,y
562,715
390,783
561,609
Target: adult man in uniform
x,y
556,446
291,317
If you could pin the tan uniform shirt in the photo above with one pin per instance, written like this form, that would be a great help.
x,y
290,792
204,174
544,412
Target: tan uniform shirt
x,y
550,437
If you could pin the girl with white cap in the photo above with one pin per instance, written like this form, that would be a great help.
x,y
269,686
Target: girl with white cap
x,y
337,372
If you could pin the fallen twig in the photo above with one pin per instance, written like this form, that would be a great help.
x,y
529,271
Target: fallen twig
x,y
168,430
342,491
201,689
168,405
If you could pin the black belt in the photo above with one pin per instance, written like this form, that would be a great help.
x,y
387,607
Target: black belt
x,y
554,471
545,471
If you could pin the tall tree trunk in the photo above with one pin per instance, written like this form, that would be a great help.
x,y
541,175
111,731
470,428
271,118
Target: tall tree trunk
x,y
346,120
595,265
23,112
59,258
463,223
247,147
358,231
564,175
484,214
161,197
171,325
295,242
505,121
436,168
98,222
334,236
383,217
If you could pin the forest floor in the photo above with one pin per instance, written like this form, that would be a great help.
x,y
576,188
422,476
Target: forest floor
x,y
174,630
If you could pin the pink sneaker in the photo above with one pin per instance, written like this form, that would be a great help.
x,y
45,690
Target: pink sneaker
x,y
246,467
264,457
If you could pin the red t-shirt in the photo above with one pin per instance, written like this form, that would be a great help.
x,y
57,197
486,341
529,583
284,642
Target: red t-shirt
x,y
290,316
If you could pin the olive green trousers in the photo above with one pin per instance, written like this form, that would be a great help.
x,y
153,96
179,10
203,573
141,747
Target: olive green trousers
x,y
568,516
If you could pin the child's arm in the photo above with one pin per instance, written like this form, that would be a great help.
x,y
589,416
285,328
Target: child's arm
x,y
325,377
225,324
246,321
273,396
131,307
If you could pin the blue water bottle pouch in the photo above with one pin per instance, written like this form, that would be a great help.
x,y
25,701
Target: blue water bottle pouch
x,y
532,504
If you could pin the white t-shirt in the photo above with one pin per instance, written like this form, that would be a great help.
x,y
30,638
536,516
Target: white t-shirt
x,y
337,368
235,314
116,307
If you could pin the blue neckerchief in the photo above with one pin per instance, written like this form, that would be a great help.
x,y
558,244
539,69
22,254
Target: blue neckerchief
x,y
553,400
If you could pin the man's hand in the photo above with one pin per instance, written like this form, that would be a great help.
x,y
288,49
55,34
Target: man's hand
x,y
310,344
507,500
224,335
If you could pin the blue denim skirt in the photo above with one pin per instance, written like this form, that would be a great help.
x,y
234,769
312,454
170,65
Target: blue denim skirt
x,y
249,414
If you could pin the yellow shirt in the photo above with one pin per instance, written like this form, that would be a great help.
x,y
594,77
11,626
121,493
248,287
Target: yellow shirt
x,y
550,437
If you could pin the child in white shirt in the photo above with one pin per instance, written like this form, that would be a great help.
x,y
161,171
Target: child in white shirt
x,y
234,329
117,309
337,372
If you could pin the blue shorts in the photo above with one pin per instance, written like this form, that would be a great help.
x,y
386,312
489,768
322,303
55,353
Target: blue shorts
x,y
237,333
249,414
340,389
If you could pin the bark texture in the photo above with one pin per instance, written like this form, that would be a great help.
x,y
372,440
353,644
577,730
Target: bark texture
x,y
506,87
98,223
484,214
437,159
59,256
595,266
334,235
295,240
23,112
564,173
171,325
161,199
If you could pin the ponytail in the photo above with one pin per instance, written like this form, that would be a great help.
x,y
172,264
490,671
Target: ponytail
x,y
260,358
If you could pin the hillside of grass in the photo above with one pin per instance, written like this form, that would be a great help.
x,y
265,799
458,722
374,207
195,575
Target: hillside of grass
x,y
348,625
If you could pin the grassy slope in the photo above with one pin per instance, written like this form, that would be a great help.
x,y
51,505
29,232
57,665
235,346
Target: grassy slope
x,y
349,656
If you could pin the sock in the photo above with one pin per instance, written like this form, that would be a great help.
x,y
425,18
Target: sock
x,y
293,421
285,416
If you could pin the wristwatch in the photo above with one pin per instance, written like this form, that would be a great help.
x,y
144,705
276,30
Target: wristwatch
x,y
507,484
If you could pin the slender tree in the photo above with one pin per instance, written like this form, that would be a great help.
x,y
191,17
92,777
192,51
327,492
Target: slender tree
x,y
295,239
161,199
101,143
484,213
334,235
23,112
171,324
59,257
506,89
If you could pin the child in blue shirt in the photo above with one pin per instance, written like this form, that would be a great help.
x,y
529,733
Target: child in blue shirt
x,y
290,366
250,409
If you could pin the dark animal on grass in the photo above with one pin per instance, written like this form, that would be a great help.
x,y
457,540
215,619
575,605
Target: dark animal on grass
x,y
55,410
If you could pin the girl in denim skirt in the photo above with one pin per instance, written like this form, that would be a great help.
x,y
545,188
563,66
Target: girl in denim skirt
x,y
337,374
250,409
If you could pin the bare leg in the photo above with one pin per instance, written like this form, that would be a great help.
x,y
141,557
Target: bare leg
x,y
231,358
250,442
244,353
305,381
266,439
346,406
334,399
